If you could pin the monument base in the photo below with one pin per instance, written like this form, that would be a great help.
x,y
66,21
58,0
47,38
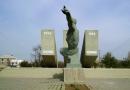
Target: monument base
x,y
74,61
74,75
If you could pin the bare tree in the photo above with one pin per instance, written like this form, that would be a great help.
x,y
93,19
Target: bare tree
x,y
37,55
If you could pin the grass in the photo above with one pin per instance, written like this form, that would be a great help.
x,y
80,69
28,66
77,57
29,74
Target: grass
x,y
76,87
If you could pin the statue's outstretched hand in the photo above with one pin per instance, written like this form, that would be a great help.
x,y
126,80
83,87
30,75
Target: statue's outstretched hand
x,y
64,10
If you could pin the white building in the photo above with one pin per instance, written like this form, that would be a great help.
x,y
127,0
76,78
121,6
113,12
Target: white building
x,y
15,63
5,59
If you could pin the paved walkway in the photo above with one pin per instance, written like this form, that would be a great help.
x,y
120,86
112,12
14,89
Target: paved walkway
x,y
43,79
109,84
30,84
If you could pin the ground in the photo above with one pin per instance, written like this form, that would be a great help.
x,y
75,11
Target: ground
x,y
109,84
46,79
30,84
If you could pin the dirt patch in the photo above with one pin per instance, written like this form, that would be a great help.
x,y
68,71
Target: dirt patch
x,y
1,68
76,87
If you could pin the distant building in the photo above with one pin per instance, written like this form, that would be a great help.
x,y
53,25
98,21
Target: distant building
x,y
6,59
15,63
128,56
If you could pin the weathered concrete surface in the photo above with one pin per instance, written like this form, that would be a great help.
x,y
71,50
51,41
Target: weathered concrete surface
x,y
30,84
49,72
43,79
31,79
82,74
74,75
108,83
48,47
108,79
106,73
89,52
30,72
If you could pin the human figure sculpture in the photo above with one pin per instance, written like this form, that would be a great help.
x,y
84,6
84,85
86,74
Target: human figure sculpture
x,y
72,36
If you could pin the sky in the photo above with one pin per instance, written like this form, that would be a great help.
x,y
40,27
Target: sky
x,y
21,22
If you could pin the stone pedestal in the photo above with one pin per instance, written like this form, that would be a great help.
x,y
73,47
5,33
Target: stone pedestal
x,y
74,61
74,75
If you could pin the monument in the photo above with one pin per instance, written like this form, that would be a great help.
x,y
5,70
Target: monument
x,y
71,37
73,73
89,51
48,48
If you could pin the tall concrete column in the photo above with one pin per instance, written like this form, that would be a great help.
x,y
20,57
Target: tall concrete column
x,y
90,49
48,48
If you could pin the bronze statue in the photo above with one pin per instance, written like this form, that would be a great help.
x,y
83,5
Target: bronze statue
x,y
72,36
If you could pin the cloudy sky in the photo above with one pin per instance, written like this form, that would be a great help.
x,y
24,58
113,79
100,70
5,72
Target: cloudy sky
x,y
21,22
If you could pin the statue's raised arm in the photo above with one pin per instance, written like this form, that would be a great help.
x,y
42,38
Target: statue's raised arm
x,y
71,21
72,36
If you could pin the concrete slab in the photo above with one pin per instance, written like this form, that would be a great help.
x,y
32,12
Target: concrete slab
x,y
41,78
73,75
108,83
